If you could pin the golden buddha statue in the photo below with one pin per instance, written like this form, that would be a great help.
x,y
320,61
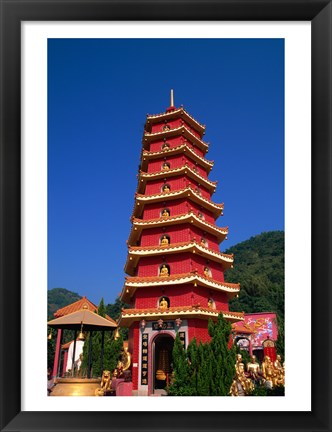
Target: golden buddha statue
x,y
253,368
164,241
165,166
166,189
242,385
268,371
165,213
203,241
163,303
126,359
206,272
210,304
278,376
164,271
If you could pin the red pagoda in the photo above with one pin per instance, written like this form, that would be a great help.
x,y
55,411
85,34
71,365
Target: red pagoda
x,y
176,270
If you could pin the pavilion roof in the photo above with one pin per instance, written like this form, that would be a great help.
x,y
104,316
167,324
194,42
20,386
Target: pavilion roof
x,y
83,303
140,224
90,320
130,315
182,148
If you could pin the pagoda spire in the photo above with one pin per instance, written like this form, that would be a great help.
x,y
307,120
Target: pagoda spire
x,y
171,107
172,98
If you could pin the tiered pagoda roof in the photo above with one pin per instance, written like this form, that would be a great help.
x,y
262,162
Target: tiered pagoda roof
x,y
182,130
179,149
185,170
196,311
135,282
176,113
187,192
135,252
165,221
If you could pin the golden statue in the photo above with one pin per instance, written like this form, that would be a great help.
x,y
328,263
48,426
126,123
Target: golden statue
x,y
241,385
268,371
166,189
165,213
163,304
206,272
278,375
203,241
164,271
165,166
253,368
105,384
210,304
126,359
164,241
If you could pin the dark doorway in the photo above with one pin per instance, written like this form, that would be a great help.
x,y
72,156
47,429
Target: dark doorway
x,y
163,347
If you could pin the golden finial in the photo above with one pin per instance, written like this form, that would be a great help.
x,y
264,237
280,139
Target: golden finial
x,y
172,97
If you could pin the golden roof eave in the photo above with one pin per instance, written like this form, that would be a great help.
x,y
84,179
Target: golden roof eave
x,y
137,252
144,176
136,282
146,155
128,316
190,217
182,130
188,192
152,119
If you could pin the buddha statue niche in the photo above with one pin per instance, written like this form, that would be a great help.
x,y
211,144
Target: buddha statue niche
x,y
166,189
164,271
165,166
163,303
206,272
164,241
165,213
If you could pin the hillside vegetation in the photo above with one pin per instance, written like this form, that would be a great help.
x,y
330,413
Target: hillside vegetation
x,y
259,268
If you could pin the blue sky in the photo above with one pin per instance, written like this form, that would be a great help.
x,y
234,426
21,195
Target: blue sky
x,y
99,92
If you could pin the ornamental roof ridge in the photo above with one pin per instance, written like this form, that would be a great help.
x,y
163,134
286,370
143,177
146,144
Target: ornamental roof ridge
x,y
183,278
178,217
171,132
179,309
174,149
181,246
178,192
179,110
212,184
166,220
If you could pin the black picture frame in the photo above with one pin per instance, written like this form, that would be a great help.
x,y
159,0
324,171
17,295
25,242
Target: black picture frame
x,y
13,12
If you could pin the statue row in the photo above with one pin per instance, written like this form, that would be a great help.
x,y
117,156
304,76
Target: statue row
x,y
270,374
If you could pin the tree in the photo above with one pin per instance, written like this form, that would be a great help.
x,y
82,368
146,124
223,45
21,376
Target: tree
x,y
181,383
206,369
112,349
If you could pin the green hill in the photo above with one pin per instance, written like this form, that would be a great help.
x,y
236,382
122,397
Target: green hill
x,y
259,268
57,298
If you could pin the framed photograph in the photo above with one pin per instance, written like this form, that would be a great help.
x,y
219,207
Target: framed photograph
x,y
31,33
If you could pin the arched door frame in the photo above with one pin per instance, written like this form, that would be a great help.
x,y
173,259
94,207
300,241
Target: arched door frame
x,y
151,357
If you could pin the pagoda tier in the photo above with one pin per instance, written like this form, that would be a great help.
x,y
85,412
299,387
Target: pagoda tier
x,y
175,114
188,155
176,270
195,226
180,252
131,315
192,280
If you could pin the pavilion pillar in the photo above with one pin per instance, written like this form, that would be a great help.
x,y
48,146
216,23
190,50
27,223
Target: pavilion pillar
x,y
57,352
65,360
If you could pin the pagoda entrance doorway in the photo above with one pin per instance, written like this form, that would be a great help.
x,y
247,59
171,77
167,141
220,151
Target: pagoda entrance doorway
x,y
162,364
